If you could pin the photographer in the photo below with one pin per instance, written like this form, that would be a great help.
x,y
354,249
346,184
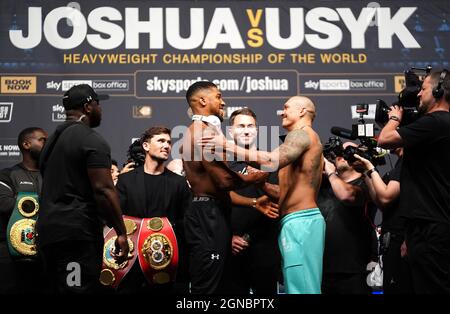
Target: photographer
x,y
396,272
349,235
425,177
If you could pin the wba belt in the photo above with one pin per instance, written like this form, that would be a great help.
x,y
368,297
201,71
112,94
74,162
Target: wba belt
x,y
153,242
21,227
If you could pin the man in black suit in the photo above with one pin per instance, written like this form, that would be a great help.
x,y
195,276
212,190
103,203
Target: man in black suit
x,y
154,191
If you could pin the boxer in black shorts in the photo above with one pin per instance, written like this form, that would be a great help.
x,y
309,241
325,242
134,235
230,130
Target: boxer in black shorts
x,y
207,222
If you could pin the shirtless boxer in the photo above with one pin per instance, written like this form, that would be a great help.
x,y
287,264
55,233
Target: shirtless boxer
x,y
207,222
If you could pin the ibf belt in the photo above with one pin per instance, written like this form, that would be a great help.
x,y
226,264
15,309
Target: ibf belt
x,y
158,250
21,227
112,273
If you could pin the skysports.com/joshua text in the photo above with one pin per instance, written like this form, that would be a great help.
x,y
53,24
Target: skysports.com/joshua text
x,y
246,84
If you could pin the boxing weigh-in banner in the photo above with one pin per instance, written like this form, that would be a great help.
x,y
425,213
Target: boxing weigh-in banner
x,y
145,54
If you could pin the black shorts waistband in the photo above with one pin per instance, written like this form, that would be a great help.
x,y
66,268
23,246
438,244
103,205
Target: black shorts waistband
x,y
203,198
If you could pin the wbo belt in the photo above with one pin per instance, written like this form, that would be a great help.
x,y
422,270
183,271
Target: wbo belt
x,y
21,234
153,242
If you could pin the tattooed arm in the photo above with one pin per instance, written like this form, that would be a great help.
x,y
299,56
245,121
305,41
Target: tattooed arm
x,y
295,144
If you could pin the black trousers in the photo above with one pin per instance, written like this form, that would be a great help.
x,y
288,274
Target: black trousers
x,y
396,270
345,283
73,267
208,238
256,268
429,256
20,277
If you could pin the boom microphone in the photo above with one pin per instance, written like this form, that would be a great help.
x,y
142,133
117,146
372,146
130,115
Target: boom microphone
x,y
341,132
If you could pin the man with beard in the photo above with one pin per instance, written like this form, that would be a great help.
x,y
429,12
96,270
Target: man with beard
x,y
207,222
20,276
154,191
78,194
425,183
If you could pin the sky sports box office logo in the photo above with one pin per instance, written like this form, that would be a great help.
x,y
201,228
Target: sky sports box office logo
x,y
99,85
346,84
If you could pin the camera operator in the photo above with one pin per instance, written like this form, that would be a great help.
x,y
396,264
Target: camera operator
x,y
349,235
425,178
396,272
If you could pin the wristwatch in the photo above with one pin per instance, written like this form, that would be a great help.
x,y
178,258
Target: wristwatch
x,y
369,172
395,118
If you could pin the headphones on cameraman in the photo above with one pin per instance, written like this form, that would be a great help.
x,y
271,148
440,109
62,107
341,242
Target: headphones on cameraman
x,y
438,92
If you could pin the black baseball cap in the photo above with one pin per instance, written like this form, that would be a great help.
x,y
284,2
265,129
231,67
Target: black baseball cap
x,y
78,95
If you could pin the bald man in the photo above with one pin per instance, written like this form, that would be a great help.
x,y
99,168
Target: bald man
x,y
300,163
208,220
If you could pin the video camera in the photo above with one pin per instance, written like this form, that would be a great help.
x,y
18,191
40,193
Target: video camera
x,y
407,98
136,153
362,131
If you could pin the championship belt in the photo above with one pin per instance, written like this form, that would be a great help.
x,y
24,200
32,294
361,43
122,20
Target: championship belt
x,y
158,250
21,233
112,273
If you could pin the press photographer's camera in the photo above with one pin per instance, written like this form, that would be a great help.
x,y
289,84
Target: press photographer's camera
x,y
136,154
333,148
407,99
366,149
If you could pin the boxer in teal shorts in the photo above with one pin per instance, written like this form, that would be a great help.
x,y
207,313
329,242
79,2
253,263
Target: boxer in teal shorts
x,y
301,242
299,160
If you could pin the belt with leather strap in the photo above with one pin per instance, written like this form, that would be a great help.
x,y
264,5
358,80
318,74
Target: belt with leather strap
x,y
112,272
152,241
21,234
158,250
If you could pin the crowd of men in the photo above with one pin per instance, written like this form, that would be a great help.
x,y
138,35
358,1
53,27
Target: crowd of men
x,y
289,217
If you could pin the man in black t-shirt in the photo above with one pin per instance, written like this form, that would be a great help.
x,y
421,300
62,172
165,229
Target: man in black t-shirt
x,y
424,195
154,191
77,194
20,276
349,235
